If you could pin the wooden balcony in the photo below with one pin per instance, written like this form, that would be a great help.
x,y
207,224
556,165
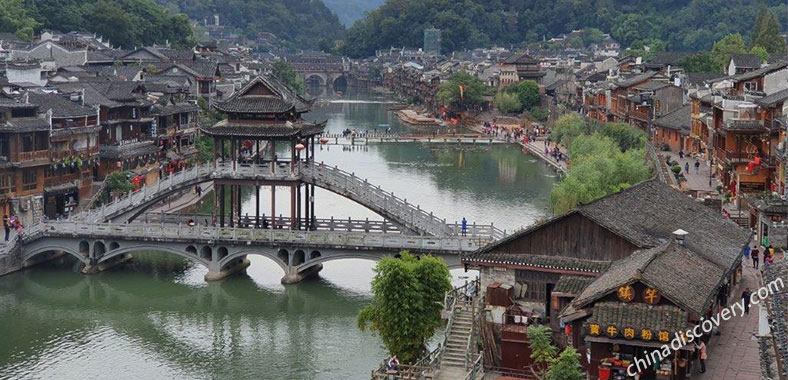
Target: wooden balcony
x,y
63,178
33,155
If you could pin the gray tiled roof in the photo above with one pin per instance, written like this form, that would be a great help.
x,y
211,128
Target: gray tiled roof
x,y
679,119
773,99
283,99
538,261
639,316
572,285
60,106
680,275
225,128
750,61
762,71
646,215
631,81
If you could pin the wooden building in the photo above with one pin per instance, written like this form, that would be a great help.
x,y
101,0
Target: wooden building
x,y
73,152
672,130
553,261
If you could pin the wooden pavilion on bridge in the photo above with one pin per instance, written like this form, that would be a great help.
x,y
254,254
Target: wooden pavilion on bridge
x,y
260,115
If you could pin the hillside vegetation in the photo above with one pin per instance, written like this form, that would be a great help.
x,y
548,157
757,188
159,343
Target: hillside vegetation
x,y
682,25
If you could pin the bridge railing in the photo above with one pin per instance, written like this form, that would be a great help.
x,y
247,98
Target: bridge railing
x,y
180,232
385,201
319,224
145,194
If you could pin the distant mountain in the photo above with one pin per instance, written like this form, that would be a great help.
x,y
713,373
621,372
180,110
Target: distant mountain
x,y
351,10
299,23
681,24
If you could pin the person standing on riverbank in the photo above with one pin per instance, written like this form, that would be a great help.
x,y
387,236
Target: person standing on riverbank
x,y
464,227
6,227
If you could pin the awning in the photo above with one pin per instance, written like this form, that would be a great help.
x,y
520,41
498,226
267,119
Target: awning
x,y
63,188
634,342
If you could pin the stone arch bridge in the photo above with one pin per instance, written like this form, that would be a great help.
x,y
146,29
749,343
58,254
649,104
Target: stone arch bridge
x,y
223,250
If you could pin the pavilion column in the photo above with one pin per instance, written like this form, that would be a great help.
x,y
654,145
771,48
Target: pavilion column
x,y
234,153
312,206
232,205
308,223
238,201
257,205
273,158
273,206
292,206
221,205
257,153
292,156
298,206
215,153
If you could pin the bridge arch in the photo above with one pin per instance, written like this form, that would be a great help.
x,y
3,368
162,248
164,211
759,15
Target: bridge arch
x,y
155,248
84,248
52,248
340,83
276,257
316,80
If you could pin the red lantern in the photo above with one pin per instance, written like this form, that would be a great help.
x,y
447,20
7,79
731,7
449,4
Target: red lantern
x,y
299,147
750,166
757,161
324,140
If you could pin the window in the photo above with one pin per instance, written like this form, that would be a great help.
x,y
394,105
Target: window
x,y
751,86
6,184
29,180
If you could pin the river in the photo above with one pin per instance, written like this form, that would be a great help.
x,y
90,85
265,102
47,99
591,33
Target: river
x,y
155,318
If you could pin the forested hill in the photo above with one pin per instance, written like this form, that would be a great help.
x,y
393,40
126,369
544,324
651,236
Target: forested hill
x,y
126,23
349,11
302,23
681,24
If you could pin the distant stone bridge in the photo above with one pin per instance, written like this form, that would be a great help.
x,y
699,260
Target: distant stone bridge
x,y
323,71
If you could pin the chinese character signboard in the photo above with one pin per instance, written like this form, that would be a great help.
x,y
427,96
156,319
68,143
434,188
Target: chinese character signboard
x,y
626,293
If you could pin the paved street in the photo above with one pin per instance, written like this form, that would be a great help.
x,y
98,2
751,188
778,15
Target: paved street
x,y
734,354
696,182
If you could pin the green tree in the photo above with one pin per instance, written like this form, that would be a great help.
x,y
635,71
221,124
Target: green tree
x,y
567,128
625,135
542,350
528,92
462,90
698,63
539,113
286,74
724,48
507,103
767,35
761,52
566,366
118,183
407,293
646,49
204,146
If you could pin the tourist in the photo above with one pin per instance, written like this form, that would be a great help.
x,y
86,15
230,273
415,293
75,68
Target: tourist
x,y
746,253
768,260
697,167
686,167
700,348
393,363
769,252
6,227
470,291
755,258
464,227
745,298
198,190
19,227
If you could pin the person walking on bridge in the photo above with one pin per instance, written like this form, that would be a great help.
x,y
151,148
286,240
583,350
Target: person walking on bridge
x,y
464,226
6,227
